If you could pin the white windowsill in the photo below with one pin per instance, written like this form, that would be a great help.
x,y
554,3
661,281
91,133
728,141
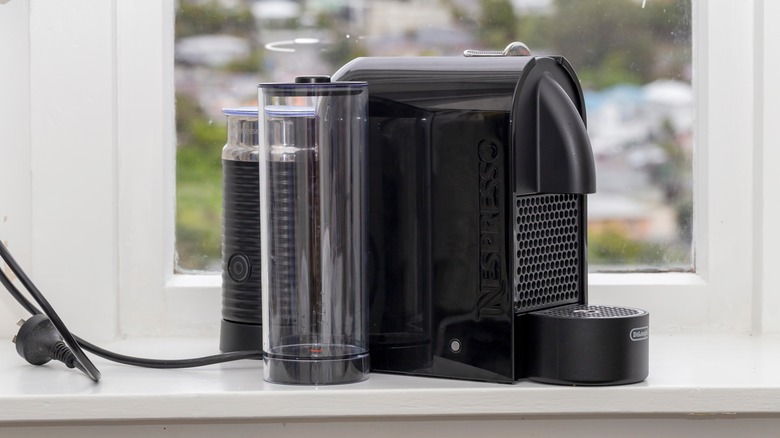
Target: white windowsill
x,y
689,375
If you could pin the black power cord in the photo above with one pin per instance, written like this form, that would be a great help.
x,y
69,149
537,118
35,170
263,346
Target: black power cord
x,y
63,337
42,338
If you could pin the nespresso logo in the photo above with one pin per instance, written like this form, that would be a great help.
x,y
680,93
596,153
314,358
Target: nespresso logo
x,y
490,299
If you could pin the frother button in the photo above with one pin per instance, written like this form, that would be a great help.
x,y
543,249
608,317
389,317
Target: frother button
x,y
239,267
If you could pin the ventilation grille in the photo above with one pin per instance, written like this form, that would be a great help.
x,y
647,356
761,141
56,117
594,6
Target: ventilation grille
x,y
548,244
585,311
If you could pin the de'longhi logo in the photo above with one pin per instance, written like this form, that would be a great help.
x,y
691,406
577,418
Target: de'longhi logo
x,y
639,334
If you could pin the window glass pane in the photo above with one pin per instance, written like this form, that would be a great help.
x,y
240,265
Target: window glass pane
x,y
633,58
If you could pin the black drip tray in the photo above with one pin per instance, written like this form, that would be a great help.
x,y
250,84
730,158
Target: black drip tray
x,y
587,345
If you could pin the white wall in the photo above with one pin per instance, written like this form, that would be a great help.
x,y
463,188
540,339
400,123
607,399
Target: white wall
x,y
15,172
58,166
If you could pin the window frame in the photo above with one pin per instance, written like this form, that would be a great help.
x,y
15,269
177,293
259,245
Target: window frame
x,y
766,305
145,297
718,296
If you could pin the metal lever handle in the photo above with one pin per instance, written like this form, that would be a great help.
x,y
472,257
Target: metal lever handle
x,y
513,49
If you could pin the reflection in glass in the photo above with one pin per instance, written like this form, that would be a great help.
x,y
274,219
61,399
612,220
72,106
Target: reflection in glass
x,y
633,57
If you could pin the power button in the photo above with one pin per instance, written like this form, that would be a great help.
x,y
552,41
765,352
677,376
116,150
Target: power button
x,y
239,268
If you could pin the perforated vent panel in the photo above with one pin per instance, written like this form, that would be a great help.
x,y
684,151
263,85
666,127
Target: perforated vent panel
x,y
548,243
590,311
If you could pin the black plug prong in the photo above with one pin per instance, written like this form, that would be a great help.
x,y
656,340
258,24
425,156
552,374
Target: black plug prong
x,y
19,323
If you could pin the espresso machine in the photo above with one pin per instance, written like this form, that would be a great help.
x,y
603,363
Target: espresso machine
x,y
479,169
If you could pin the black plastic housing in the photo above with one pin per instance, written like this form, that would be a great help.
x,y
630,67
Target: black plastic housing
x,y
478,175
242,317
586,345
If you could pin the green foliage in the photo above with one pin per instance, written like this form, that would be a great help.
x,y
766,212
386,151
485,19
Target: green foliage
x,y
326,21
497,24
608,41
612,247
535,31
675,176
198,186
343,51
604,35
198,18
684,217
609,72
670,17
198,208
251,64
187,110
458,14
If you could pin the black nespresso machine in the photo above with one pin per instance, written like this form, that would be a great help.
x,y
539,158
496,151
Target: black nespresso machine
x,y
478,172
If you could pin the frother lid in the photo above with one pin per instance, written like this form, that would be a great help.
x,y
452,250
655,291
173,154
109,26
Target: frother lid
x,y
243,111
289,111
312,79
313,86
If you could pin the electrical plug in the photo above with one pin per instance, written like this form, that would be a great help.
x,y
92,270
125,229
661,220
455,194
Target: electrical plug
x,y
38,342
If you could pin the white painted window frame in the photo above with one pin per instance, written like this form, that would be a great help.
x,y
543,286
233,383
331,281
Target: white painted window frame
x,y
101,181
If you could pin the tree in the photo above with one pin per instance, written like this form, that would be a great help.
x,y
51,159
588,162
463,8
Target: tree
x,y
600,36
497,24
608,41
198,185
199,18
